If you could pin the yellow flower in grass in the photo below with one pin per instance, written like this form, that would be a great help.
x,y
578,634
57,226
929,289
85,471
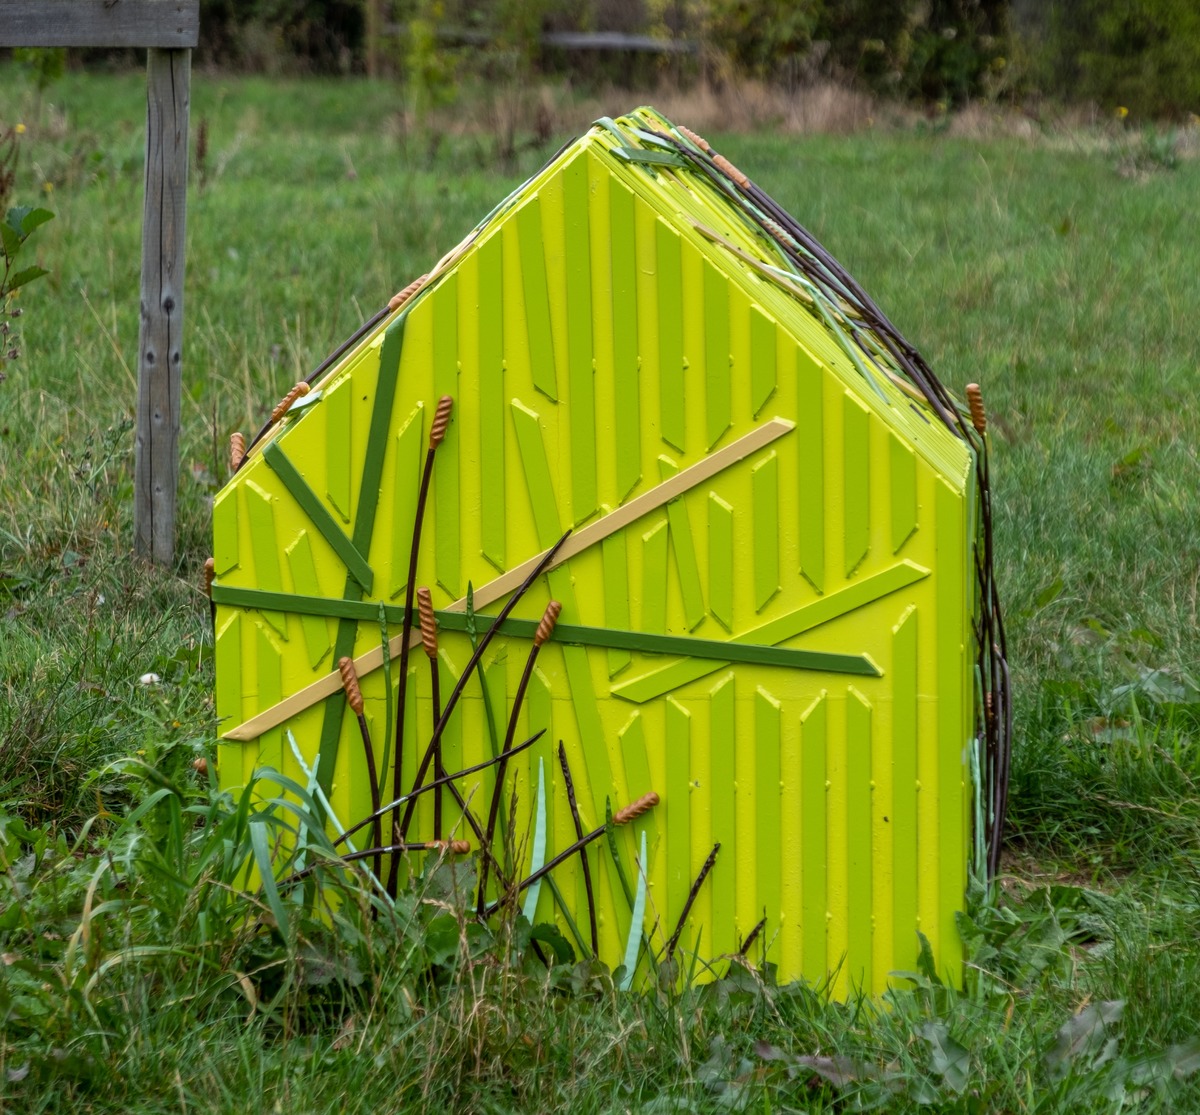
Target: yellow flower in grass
x,y
20,129
1122,112
47,187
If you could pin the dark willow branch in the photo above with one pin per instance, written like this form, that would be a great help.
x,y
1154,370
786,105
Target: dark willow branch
x,y
624,816
443,781
354,699
687,906
454,847
476,655
751,937
544,631
437,433
429,642
569,783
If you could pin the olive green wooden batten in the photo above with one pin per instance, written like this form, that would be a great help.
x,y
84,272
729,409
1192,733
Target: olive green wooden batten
x,y
635,391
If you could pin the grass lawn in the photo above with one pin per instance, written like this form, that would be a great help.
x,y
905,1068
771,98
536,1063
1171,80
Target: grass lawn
x,y
133,981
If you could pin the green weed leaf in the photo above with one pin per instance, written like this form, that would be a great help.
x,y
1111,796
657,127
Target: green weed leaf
x,y
1184,1059
1082,1043
551,935
1049,593
10,238
925,962
262,858
34,218
441,939
472,633
950,1060
538,853
839,1071
15,218
635,923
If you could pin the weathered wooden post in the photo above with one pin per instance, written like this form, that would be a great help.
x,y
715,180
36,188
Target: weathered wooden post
x,y
160,337
168,29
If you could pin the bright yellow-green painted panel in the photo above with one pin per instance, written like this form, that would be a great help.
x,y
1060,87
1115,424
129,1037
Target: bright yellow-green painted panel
x,y
549,333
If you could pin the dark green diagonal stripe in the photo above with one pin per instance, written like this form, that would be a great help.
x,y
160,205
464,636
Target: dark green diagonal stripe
x,y
679,645
364,526
296,485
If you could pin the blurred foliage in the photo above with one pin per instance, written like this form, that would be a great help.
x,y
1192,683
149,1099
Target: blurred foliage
x,y
323,36
765,38
1140,55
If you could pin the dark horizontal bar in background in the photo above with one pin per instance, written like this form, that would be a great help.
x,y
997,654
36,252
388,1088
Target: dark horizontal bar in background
x,y
565,40
169,24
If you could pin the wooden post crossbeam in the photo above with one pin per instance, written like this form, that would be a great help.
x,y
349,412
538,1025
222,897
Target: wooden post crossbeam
x,y
168,29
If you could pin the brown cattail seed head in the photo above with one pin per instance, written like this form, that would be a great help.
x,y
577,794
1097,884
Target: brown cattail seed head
x,y
780,234
455,847
975,402
350,684
295,393
237,450
428,622
200,765
210,573
401,296
636,808
441,419
546,628
730,171
695,138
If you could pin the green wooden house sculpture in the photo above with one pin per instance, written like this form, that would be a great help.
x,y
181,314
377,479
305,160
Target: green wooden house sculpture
x,y
640,390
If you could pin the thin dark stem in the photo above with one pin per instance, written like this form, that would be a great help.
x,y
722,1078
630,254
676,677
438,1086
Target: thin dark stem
x,y
439,770
494,808
405,631
373,780
461,684
687,906
443,781
569,783
549,866
477,829
751,937
366,853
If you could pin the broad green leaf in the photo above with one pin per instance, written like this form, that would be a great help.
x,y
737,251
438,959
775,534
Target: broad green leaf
x,y
1184,1059
10,238
1049,593
950,1060
262,858
1084,1036
538,856
35,218
472,632
15,218
634,943
550,935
